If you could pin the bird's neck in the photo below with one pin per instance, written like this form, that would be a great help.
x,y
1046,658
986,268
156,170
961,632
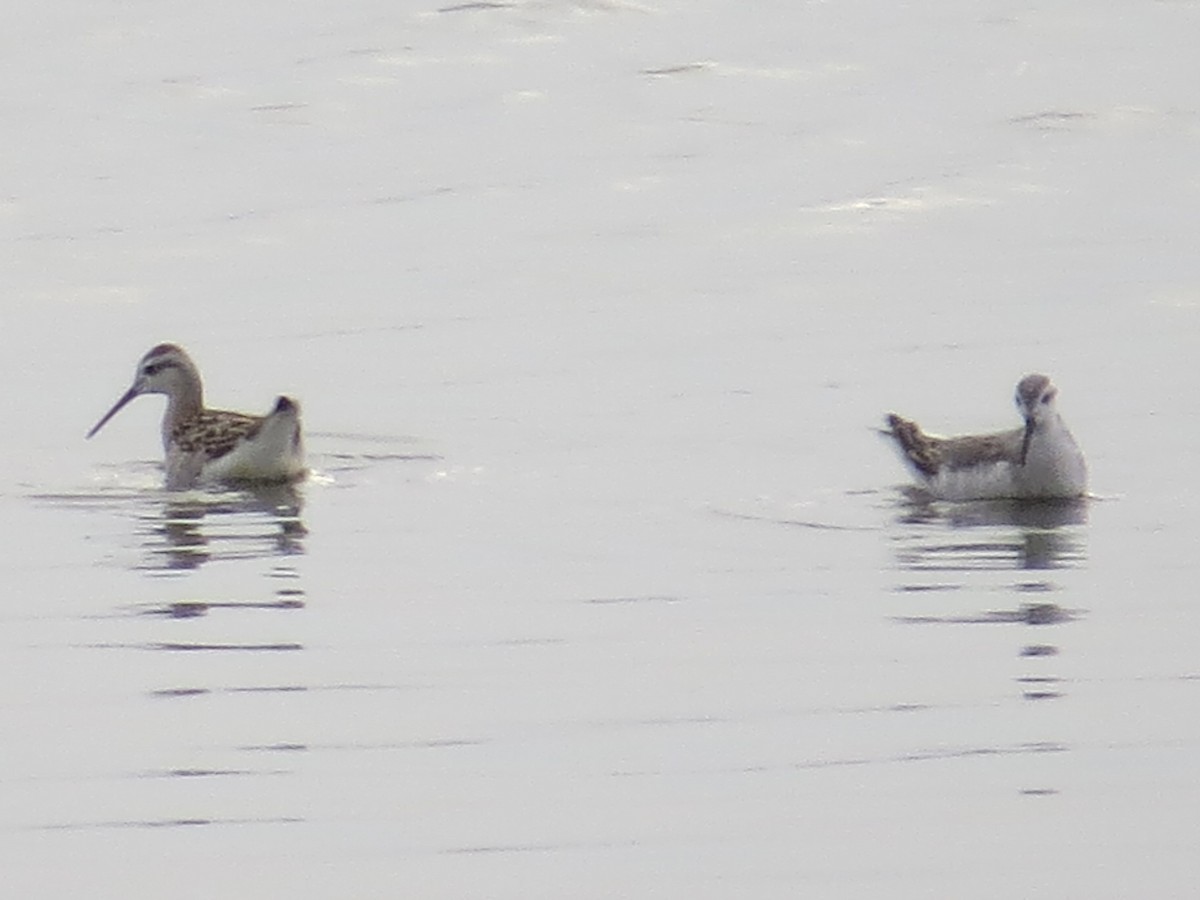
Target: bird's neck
x,y
182,404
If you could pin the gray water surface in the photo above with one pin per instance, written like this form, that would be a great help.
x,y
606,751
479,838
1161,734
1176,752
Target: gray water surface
x,y
603,584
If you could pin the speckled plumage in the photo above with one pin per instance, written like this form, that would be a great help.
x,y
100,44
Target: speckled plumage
x,y
929,454
211,444
213,432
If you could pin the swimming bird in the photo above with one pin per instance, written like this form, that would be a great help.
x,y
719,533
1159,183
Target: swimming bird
x,y
1038,461
206,445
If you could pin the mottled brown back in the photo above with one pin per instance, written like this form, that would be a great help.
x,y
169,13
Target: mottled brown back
x,y
930,454
214,432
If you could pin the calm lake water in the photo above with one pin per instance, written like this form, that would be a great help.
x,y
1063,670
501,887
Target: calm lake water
x,y
604,584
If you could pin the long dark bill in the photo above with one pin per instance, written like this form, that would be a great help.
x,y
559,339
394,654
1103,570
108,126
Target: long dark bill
x,y
1029,426
125,398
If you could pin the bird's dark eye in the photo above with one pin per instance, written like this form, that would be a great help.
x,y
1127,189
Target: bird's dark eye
x,y
153,369
1047,398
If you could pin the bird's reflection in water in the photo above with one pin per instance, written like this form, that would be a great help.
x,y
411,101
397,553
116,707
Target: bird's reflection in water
x,y
978,552
191,529
991,534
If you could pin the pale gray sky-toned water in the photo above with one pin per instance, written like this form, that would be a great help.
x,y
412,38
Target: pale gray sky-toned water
x,y
603,584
